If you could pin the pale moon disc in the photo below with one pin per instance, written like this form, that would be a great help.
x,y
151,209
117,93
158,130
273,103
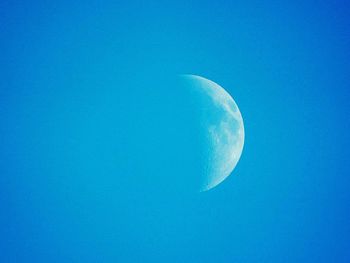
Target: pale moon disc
x,y
222,125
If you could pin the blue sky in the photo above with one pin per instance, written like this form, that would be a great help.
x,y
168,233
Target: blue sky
x,y
93,131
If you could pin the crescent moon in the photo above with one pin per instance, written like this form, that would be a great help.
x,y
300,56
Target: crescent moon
x,y
222,124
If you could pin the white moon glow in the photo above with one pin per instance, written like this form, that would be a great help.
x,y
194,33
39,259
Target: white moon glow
x,y
223,127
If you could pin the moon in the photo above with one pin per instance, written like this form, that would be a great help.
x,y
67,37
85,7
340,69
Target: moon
x,y
221,123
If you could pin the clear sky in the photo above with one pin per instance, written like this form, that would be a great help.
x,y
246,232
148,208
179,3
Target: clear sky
x,y
95,139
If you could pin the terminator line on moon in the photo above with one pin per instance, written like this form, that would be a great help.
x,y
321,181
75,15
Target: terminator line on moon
x,y
223,126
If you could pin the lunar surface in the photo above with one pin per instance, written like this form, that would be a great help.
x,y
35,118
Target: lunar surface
x,y
222,126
